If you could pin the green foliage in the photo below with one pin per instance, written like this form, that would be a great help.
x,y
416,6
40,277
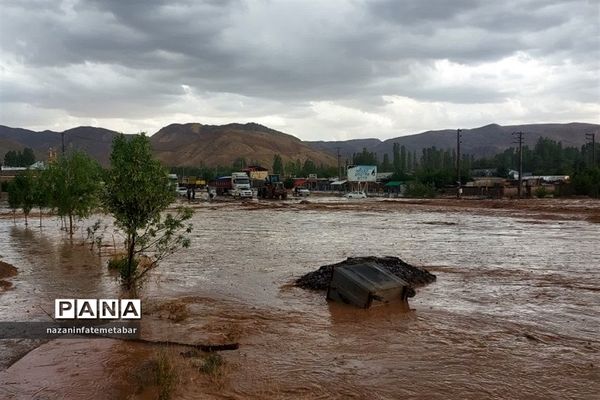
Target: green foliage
x,y
291,170
364,158
239,164
277,165
137,185
73,184
137,192
385,165
14,197
309,167
212,364
587,182
420,190
21,193
14,158
396,157
288,183
541,192
121,264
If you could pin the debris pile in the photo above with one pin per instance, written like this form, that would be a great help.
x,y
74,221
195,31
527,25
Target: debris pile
x,y
414,276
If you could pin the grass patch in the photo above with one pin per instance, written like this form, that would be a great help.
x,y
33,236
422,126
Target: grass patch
x,y
159,373
213,366
165,375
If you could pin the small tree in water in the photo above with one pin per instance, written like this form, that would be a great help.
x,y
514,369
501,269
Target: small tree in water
x,y
137,191
21,193
73,182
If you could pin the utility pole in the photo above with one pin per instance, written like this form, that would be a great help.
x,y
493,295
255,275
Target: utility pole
x,y
519,141
591,137
458,187
62,137
339,170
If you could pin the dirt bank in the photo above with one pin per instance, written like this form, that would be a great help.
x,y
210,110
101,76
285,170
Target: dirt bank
x,y
6,271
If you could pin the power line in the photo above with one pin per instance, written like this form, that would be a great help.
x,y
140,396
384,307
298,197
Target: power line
x,y
339,167
591,137
519,141
458,183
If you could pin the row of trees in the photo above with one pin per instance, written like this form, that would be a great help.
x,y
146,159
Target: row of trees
x,y
70,186
437,167
135,191
301,169
14,158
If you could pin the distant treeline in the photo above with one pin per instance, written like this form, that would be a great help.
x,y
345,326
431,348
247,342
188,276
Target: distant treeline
x,y
435,168
289,169
14,158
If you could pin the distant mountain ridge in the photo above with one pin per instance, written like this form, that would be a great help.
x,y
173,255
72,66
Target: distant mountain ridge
x,y
194,144
484,141
191,144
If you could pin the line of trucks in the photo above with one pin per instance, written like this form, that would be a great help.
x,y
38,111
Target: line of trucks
x,y
241,186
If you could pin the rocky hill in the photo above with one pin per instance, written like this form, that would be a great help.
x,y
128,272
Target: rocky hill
x,y
195,144
176,144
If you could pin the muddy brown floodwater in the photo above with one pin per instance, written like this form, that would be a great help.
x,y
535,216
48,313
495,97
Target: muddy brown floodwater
x,y
514,313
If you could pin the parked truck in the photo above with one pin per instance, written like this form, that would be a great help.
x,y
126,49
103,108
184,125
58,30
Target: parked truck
x,y
272,188
240,185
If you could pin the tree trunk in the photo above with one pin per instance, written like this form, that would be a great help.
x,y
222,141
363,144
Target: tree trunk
x,y
130,253
25,219
70,224
40,217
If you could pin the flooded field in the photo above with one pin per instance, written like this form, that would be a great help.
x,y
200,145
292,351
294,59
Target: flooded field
x,y
514,313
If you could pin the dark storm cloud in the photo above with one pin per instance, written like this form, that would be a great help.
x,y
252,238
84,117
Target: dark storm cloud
x,y
77,55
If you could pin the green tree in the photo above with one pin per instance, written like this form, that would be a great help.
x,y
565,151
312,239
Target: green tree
x,y
41,191
137,192
290,169
396,157
309,167
27,157
14,198
277,164
74,182
11,158
364,158
402,158
239,164
24,184
385,165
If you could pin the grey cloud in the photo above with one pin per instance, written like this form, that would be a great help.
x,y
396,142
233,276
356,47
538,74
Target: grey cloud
x,y
288,53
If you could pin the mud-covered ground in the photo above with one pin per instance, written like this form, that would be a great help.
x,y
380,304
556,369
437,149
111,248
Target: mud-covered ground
x,y
514,312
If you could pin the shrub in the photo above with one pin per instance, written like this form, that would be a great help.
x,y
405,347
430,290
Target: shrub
x,y
541,192
418,189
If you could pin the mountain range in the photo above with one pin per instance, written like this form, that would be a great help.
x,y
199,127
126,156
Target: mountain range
x,y
195,144
484,141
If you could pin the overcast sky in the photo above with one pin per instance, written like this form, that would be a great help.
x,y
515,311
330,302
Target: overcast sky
x,y
316,69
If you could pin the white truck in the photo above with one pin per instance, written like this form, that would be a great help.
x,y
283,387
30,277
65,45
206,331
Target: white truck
x,y
240,185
